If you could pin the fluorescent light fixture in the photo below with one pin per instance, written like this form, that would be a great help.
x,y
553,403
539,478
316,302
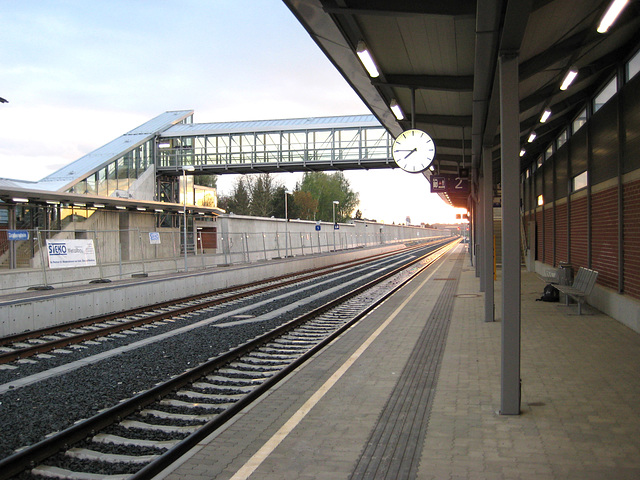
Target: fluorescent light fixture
x,y
20,200
611,15
159,210
164,145
545,115
76,204
188,168
367,60
532,137
120,207
395,108
53,202
568,79
141,209
522,152
98,205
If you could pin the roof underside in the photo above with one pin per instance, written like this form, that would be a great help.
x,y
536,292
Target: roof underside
x,y
438,60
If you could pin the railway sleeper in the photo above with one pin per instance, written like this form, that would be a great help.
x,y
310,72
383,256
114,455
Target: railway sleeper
x,y
94,456
170,402
133,442
57,472
160,428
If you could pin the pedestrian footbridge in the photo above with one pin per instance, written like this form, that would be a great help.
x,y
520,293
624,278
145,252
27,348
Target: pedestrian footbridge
x,y
269,146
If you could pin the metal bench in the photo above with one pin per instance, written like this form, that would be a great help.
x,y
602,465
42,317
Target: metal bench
x,y
582,286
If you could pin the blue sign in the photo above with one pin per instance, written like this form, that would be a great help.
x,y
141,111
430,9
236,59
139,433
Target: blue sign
x,y
154,238
18,234
336,226
317,228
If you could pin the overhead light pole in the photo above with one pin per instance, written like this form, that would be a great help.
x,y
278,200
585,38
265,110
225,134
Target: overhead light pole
x,y
185,169
335,202
286,223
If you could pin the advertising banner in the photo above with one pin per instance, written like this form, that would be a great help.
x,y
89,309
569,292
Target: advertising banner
x,y
71,253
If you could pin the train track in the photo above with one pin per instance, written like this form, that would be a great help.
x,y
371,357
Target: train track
x,y
27,344
141,436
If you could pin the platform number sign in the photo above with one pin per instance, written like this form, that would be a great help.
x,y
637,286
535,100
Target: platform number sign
x,y
449,183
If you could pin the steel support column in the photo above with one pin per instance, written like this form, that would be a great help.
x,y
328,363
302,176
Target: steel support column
x,y
487,239
510,182
13,260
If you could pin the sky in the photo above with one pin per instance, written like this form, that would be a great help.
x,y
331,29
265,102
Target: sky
x,y
79,73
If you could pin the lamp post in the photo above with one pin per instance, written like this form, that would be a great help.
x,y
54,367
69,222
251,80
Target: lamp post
x,y
335,202
286,223
185,169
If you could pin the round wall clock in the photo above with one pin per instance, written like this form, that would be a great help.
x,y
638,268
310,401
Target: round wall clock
x,y
413,151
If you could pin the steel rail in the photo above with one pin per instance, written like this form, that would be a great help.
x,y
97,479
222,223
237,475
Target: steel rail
x,y
30,456
272,283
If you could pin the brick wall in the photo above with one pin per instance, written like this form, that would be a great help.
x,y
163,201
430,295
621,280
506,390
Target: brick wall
x,y
631,218
539,239
548,235
579,233
562,241
604,236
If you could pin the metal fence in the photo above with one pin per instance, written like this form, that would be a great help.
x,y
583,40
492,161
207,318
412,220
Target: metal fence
x,y
119,254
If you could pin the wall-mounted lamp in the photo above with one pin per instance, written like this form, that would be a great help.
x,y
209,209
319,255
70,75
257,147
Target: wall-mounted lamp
x,y
522,152
545,115
532,137
568,79
397,111
367,60
611,15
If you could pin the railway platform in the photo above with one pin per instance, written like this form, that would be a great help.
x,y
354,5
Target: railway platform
x,y
413,392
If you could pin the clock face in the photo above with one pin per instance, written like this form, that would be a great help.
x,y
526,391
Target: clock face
x,y
413,151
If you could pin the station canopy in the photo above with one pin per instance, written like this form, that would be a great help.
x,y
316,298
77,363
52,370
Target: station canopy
x,y
438,61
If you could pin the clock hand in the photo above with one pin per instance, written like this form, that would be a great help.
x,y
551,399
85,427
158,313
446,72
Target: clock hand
x,y
410,152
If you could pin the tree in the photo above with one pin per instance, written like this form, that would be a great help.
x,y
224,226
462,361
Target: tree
x,y
262,189
304,206
326,189
239,200
277,201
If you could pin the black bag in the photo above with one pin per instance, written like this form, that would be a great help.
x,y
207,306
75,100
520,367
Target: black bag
x,y
550,294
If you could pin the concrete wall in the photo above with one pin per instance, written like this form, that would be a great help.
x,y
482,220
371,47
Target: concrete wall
x,y
53,307
123,247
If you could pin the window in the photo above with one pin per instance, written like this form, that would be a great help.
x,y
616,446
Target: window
x,y
562,139
579,182
633,66
548,153
580,120
605,94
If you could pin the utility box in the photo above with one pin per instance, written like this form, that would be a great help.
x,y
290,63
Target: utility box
x,y
565,274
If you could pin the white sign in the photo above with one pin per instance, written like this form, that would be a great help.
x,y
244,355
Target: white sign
x,y
71,253
154,238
